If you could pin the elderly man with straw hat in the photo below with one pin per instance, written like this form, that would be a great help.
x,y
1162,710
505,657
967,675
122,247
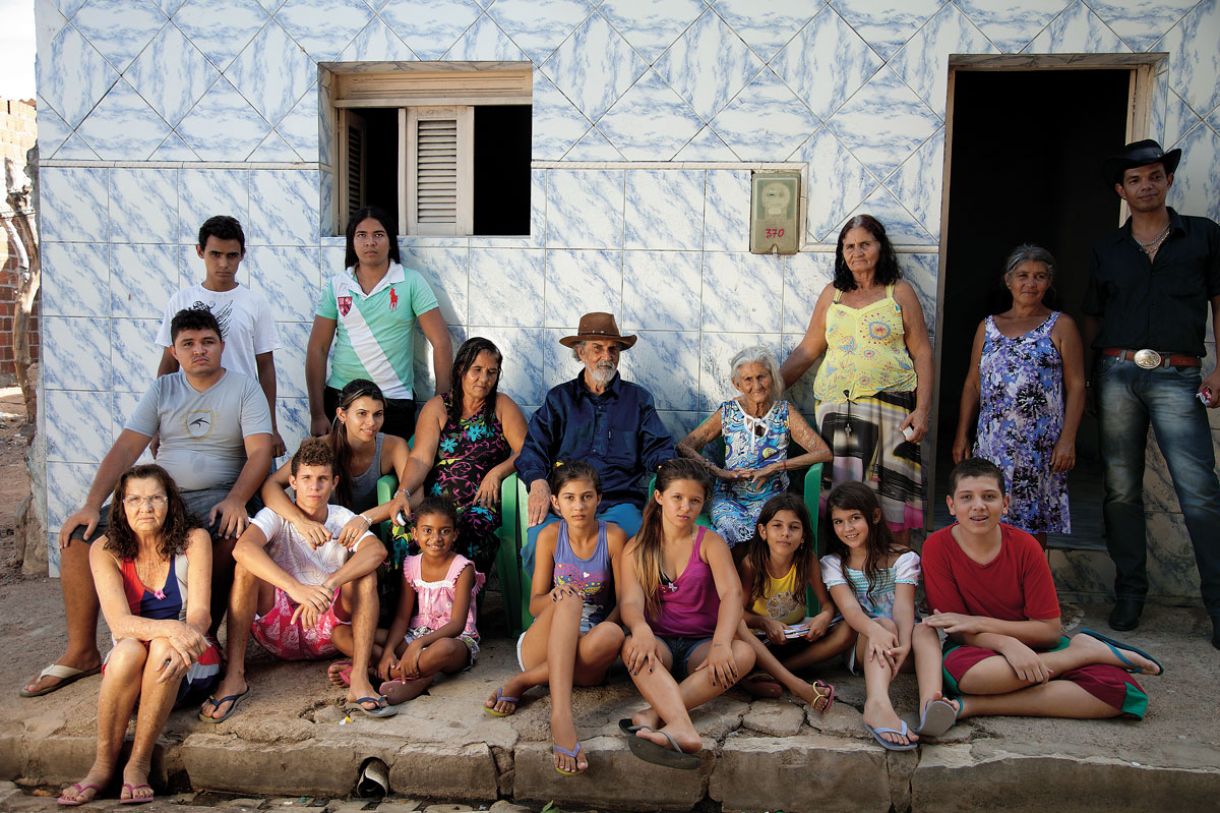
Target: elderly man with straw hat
x,y
601,419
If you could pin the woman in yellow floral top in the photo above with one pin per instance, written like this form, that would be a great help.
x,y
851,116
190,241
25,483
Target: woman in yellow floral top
x,y
874,386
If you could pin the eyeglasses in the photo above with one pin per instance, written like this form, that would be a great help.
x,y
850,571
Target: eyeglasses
x,y
155,501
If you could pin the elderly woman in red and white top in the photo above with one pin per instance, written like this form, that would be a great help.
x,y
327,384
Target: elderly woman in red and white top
x,y
153,572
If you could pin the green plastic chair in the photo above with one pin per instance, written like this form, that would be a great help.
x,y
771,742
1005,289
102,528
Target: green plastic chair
x,y
507,566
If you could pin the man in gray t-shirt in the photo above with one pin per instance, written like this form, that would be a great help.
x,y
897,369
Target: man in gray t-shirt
x,y
215,431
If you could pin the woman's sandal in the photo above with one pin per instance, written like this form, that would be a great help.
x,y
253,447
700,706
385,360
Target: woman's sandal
x,y
501,697
823,693
79,788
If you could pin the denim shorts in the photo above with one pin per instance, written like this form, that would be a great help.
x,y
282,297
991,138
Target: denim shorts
x,y
681,648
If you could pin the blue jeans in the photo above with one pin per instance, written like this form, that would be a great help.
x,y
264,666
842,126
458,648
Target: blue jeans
x,y
624,515
1130,399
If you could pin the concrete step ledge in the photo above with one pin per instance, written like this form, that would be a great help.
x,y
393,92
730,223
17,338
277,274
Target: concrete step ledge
x,y
806,773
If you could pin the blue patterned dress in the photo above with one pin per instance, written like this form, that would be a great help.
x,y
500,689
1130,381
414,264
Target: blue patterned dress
x,y
749,443
1020,419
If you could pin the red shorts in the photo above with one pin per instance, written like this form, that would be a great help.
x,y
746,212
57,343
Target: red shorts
x,y
1111,685
278,634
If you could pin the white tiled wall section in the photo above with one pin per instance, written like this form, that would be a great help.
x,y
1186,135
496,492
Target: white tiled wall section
x,y
853,90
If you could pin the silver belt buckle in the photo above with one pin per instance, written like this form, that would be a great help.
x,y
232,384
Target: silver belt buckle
x,y
1147,359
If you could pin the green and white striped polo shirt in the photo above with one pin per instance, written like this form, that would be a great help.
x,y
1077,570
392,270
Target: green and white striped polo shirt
x,y
375,336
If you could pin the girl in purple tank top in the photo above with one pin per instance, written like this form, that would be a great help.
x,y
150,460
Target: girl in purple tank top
x,y
681,603
575,635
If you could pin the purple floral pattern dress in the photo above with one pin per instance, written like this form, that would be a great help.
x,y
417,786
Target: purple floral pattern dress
x,y
1020,419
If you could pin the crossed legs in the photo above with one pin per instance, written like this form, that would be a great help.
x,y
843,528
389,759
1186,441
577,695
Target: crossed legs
x,y
670,702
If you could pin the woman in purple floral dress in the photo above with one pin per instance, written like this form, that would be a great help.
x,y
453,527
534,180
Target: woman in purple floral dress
x,y
466,443
1027,372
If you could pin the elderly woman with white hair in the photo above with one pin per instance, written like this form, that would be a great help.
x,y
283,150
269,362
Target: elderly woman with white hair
x,y
756,428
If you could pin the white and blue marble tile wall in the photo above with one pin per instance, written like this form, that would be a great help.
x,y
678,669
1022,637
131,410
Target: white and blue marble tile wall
x,y
135,97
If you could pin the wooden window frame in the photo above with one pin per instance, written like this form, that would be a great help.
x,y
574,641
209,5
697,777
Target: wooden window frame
x,y
425,89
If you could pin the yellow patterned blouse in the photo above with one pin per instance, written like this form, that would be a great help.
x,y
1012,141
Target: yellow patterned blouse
x,y
866,351
780,600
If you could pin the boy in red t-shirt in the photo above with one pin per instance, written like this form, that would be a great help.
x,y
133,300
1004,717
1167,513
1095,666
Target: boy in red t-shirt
x,y
991,591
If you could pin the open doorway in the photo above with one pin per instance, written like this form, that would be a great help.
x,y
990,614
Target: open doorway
x,y
1024,163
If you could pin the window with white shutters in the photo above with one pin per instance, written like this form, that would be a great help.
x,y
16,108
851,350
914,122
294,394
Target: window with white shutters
x,y
408,138
438,147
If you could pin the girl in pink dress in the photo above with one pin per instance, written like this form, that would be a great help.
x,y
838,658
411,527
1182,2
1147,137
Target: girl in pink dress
x,y
434,629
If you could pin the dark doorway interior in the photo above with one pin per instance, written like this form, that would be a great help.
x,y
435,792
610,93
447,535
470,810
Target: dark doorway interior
x,y
1026,168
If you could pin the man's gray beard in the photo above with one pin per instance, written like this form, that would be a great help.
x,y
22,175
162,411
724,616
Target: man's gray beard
x,y
601,375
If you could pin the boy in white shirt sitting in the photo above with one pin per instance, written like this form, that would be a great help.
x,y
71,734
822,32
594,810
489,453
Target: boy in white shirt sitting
x,y
302,602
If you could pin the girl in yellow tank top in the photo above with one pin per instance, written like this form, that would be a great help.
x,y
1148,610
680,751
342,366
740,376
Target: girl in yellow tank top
x,y
784,543
866,351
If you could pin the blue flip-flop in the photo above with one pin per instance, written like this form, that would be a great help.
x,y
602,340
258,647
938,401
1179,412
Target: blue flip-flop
x,y
381,706
892,746
574,753
234,699
501,697
1117,648
937,718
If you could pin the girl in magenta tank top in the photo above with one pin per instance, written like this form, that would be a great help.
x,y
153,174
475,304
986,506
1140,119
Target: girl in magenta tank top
x,y
575,636
681,603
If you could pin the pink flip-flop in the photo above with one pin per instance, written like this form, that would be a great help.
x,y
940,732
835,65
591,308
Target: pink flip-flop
x,y
79,787
133,799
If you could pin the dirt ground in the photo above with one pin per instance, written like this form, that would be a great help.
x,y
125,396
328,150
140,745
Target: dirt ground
x,y
15,433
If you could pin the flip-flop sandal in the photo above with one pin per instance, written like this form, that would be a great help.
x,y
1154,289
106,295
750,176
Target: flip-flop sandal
x,y
649,751
1117,648
822,691
133,799
79,787
383,707
574,753
892,746
234,699
66,675
938,717
339,673
762,685
501,697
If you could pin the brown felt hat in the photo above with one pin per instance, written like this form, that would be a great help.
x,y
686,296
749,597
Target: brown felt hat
x,y
1139,154
598,327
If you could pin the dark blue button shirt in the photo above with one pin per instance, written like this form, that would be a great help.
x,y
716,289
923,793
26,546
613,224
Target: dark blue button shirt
x,y
618,433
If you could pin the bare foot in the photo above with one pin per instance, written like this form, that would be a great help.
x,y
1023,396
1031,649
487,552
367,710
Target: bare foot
x,y
339,673
400,691
230,686
878,714
1100,652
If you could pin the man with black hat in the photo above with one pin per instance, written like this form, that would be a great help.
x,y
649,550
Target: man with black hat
x,y
597,417
1150,286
